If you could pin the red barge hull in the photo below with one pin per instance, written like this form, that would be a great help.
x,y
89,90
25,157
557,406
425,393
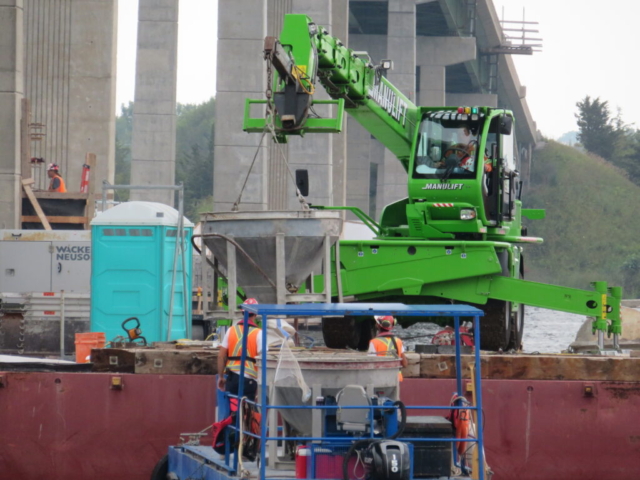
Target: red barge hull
x,y
76,426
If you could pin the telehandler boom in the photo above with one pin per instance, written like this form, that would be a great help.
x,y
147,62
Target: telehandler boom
x,y
459,234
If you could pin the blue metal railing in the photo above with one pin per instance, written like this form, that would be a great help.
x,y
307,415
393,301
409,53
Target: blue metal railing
x,y
455,311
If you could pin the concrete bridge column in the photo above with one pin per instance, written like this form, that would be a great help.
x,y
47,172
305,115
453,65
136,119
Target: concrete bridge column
x,y
153,149
401,48
241,74
433,56
11,91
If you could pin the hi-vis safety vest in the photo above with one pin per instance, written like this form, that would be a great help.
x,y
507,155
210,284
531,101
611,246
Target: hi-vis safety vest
x,y
384,347
61,188
235,348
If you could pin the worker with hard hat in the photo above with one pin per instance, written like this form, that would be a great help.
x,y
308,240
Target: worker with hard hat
x,y
230,355
385,343
57,183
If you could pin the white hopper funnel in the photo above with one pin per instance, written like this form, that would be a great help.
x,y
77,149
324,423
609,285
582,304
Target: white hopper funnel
x,y
256,233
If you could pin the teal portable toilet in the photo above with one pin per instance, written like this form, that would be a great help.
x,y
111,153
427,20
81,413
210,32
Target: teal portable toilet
x,y
134,247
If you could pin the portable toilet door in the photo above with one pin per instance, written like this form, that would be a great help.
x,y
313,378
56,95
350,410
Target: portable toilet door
x,y
180,326
131,273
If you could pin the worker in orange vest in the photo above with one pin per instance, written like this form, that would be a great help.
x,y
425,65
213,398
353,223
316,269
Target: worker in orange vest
x,y
385,343
229,364
57,183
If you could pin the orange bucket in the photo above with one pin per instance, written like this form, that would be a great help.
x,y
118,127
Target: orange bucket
x,y
85,342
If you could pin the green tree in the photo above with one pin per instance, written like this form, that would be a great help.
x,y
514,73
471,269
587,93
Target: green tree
x,y
194,154
124,127
597,132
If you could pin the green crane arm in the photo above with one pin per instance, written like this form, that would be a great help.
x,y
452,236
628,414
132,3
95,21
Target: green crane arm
x,y
306,55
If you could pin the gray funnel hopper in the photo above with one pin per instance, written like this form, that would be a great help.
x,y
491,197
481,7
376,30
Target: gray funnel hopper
x,y
303,233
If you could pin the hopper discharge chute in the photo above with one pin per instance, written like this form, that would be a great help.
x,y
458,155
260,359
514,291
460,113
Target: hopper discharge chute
x,y
274,251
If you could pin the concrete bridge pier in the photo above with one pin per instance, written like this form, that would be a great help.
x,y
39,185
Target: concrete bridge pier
x,y
11,92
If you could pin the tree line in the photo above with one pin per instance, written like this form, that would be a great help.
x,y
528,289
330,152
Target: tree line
x,y
618,143
194,154
608,136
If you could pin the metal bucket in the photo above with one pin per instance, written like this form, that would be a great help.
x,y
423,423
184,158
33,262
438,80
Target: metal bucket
x,y
256,233
326,373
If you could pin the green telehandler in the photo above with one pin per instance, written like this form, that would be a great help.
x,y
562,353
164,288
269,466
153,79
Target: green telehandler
x,y
459,234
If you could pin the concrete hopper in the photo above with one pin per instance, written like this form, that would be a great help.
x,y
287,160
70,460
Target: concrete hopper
x,y
275,251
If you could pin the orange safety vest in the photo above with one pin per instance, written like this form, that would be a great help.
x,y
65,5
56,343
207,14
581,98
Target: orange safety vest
x,y
235,347
384,347
62,188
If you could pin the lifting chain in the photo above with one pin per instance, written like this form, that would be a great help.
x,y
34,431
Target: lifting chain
x,y
269,126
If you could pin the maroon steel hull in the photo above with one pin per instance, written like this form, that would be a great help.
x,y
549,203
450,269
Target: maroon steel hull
x,y
73,426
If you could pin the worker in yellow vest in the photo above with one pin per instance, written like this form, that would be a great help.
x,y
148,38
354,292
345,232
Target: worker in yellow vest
x,y
57,183
385,343
230,355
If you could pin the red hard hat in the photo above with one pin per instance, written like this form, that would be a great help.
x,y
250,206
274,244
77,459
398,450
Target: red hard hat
x,y
54,167
249,301
386,323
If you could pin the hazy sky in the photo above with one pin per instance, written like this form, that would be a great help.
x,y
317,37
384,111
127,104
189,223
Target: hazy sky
x,y
589,48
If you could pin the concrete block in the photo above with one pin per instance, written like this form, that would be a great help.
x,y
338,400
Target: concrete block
x,y
10,195
158,11
235,23
154,137
240,66
445,50
10,133
11,48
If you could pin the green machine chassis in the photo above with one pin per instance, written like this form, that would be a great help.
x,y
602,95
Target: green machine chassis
x,y
459,234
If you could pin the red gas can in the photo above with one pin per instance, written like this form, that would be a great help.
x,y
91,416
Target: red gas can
x,y
302,456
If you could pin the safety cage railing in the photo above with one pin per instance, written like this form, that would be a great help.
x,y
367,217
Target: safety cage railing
x,y
231,458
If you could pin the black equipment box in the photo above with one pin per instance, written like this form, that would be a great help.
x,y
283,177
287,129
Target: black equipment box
x,y
430,459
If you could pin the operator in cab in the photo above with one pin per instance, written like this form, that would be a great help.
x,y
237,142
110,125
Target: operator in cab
x,y
387,344
230,355
456,152
57,183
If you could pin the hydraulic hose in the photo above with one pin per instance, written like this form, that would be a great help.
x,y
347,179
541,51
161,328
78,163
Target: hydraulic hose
x,y
365,442
403,419
345,461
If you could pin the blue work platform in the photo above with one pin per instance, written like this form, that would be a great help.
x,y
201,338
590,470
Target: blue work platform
x,y
188,461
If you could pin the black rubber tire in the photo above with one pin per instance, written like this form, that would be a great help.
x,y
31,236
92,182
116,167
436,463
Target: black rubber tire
x,y
161,470
495,326
341,332
367,333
